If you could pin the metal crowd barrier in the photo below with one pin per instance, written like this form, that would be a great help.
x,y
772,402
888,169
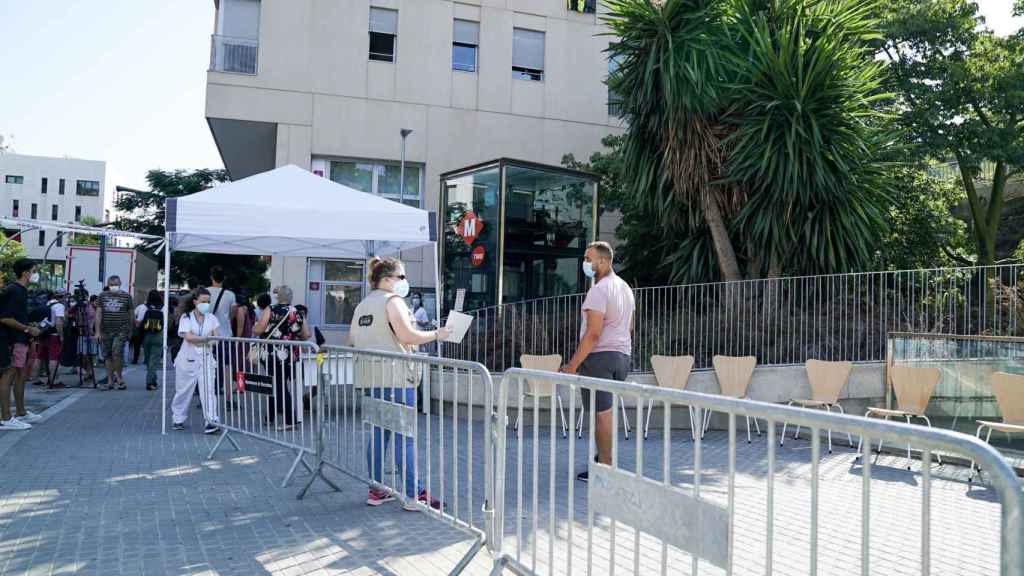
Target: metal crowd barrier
x,y
266,389
667,514
372,395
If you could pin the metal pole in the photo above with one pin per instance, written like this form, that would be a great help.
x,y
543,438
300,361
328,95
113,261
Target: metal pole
x,y
167,305
401,178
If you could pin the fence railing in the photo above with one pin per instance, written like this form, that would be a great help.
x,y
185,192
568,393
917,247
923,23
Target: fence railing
x,y
781,321
232,54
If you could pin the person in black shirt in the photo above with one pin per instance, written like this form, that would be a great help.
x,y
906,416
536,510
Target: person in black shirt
x,y
14,317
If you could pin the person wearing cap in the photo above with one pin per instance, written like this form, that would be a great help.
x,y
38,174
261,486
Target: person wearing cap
x,y
51,345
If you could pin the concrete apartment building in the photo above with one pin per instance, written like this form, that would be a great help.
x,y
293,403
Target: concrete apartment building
x,y
329,85
56,189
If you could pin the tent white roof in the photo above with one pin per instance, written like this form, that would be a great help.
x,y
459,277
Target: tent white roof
x,y
289,211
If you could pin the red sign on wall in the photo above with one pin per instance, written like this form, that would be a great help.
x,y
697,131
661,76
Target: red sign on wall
x,y
476,257
469,227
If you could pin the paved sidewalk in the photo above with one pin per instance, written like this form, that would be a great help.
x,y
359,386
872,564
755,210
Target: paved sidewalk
x,y
95,489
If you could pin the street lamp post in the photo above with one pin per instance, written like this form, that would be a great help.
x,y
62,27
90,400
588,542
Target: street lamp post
x,y
401,177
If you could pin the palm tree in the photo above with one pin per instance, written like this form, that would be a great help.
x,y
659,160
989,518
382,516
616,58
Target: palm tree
x,y
670,80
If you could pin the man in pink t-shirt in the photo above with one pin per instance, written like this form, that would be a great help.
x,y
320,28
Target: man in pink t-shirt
x,y
606,340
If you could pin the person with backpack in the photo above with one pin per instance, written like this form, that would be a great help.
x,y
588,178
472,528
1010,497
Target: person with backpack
x,y
222,305
151,326
50,344
14,317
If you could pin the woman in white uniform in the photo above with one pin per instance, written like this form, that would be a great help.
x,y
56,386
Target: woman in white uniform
x,y
196,325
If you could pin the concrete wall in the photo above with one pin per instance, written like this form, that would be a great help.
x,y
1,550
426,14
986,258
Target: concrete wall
x,y
33,169
329,101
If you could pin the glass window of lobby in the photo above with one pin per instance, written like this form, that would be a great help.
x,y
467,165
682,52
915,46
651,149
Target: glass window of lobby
x,y
465,43
380,178
515,231
527,54
383,34
87,188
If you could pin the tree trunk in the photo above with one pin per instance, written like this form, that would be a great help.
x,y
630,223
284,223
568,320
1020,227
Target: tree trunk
x,y
727,263
985,220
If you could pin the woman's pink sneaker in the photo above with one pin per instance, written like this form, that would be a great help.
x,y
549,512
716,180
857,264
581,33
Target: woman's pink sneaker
x,y
378,497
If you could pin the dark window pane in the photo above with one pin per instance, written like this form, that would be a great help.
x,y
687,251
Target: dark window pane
x,y
87,188
60,187
35,211
42,189
54,212
382,47
78,213
464,57
14,179
527,74
42,237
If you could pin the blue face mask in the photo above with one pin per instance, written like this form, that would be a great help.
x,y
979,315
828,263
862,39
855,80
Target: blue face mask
x,y
588,270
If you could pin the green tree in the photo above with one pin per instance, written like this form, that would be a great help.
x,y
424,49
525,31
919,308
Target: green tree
x,y
961,96
145,211
86,239
11,249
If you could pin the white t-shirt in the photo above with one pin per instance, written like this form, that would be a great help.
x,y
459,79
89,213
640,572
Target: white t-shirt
x,y
56,311
223,311
188,325
140,312
421,317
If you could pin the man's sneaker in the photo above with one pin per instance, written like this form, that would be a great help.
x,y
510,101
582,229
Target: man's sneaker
x,y
14,424
178,426
378,497
56,386
583,476
423,498
211,429
30,417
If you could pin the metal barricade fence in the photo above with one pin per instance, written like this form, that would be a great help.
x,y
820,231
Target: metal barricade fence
x,y
264,389
438,460
655,512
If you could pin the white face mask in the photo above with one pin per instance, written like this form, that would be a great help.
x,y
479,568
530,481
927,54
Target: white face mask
x,y
34,278
203,307
588,270
115,288
402,288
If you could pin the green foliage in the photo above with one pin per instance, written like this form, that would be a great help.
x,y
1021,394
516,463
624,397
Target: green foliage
x,y
961,96
923,232
754,134
10,250
86,239
146,214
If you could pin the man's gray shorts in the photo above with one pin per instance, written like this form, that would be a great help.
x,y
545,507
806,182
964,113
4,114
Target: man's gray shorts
x,y
607,366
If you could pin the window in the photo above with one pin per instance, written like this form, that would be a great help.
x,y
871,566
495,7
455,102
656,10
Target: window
x,y
60,240
379,178
383,34
343,290
42,237
614,99
465,42
527,54
35,210
87,188
14,208
11,179
584,6
60,187
54,212
78,213
42,188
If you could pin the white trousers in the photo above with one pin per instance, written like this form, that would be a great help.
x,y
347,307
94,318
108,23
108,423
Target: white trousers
x,y
188,375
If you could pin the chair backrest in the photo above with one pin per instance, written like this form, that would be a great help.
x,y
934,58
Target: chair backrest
x,y
672,371
1009,391
537,386
914,386
734,373
827,379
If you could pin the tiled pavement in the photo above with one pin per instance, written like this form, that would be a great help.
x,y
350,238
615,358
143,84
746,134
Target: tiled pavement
x,y
96,489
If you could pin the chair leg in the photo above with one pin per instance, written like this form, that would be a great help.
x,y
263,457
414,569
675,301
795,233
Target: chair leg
x,y
880,441
707,422
860,441
908,445
647,424
625,421
938,457
796,435
828,408
757,427
579,423
748,429
561,412
843,412
978,435
782,437
693,422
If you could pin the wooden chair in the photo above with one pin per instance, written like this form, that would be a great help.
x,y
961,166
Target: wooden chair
x,y
827,380
733,374
671,372
1009,393
914,387
542,388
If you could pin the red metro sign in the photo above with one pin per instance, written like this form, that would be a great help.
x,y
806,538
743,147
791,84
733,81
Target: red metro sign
x,y
469,227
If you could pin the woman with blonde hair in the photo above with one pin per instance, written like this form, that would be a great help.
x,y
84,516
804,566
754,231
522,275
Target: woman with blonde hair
x,y
383,321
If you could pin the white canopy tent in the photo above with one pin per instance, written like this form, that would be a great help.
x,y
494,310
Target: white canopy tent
x,y
289,211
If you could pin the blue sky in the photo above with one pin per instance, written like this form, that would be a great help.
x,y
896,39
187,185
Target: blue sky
x,y
124,81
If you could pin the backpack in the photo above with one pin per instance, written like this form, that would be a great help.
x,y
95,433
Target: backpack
x,y
153,321
38,307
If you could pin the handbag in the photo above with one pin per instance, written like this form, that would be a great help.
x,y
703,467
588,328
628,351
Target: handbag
x,y
258,353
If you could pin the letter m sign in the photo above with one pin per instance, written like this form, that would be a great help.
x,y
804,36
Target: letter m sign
x,y
469,227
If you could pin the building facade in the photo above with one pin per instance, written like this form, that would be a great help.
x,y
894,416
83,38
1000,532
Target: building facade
x,y
50,189
330,85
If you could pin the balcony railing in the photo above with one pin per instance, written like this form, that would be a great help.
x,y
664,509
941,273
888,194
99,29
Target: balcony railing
x,y
234,55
